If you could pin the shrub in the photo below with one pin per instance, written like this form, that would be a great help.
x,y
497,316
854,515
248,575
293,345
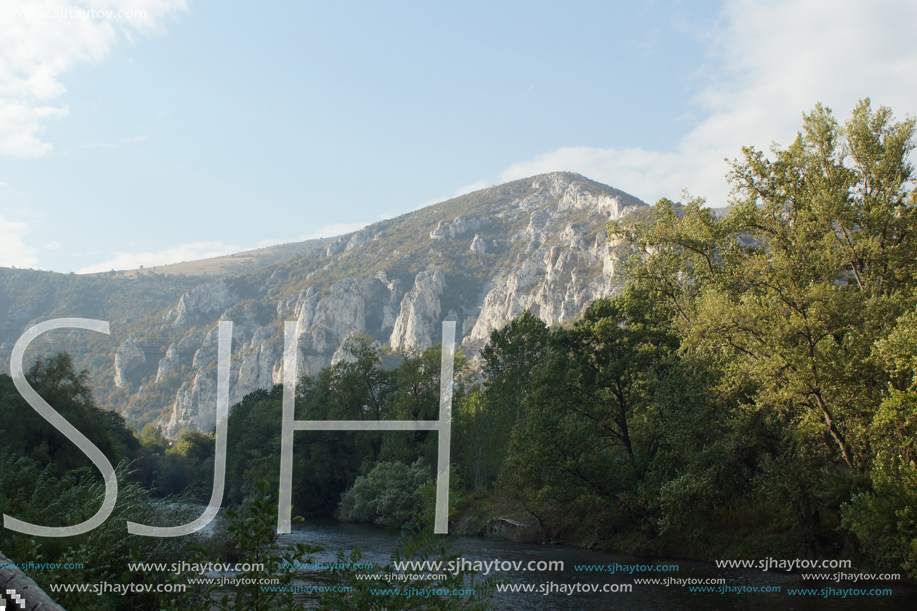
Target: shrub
x,y
389,495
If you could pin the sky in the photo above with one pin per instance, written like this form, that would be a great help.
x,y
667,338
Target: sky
x,y
147,132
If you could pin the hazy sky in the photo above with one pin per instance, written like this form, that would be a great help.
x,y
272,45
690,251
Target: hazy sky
x,y
147,132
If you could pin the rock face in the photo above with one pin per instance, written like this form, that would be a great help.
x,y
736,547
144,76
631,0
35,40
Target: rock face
x,y
546,251
457,227
420,310
336,247
129,356
359,238
169,362
552,284
353,306
205,299
195,406
323,323
478,246
180,353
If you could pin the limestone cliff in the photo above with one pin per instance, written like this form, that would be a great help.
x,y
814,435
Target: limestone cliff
x,y
480,259
420,309
129,356
543,241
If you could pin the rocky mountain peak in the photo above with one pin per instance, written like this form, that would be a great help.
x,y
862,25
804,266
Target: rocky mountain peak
x,y
480,259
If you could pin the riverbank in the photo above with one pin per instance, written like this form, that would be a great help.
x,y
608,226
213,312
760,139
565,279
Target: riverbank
x,y
495,516
608,573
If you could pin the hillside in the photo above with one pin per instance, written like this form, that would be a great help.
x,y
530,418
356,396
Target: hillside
x,y
480,259
234,264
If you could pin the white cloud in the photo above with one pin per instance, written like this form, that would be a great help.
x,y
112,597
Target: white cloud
x,y
475,186
52,245
42,39
769,62
429,202
173,254
13,249
330,231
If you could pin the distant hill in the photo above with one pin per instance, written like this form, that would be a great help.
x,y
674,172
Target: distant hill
x,y
479,259
235,264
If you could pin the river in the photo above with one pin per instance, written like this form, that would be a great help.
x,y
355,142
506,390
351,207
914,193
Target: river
x,y
377,545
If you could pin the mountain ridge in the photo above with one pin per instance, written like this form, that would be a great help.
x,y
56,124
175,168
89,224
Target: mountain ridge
x,y
479,259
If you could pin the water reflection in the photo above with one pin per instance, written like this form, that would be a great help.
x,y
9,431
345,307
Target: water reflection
x,y
377,545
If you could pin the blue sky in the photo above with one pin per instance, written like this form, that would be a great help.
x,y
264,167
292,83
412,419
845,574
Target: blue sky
x,y
177,129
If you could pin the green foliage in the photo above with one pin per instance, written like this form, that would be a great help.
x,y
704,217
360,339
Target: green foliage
x,y
884,518
416,397
476,447
327,463
32,493
25,432
255,529
806,272
485,419
389,495
587,451
799,303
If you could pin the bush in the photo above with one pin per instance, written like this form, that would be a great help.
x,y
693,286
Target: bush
x,y
30,492
254,528
389,495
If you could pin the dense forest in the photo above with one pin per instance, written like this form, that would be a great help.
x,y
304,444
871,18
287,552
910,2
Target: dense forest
x,y
751,393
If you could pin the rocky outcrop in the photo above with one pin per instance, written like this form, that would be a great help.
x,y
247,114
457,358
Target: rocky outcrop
x,y
195,406
257,370
354,305
169,362
180,353
323,323
457,227
359,238
552,258
206,299
478,246
555,284
420,311
335,247
129,356
537,243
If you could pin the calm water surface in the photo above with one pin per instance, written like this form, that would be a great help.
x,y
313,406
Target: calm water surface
x,y
377,545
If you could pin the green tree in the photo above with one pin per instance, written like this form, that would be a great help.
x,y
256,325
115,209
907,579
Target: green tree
x,y
807,271
885,517
474,445
509,358
34,493
389,495
596,421
791,297
416,397
26,433
485,418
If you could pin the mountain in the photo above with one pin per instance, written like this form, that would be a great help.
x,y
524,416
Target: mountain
x,y
238,263
480,259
